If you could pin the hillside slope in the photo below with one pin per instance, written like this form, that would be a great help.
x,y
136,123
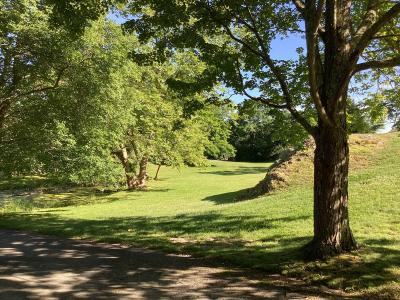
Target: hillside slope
x,y
296,167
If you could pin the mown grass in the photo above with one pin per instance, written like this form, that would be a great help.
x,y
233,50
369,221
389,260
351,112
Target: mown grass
x,y
194,210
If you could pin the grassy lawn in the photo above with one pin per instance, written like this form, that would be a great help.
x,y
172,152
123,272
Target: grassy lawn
x,y
193,210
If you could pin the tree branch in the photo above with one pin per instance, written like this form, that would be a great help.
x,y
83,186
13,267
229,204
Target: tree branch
x,y
313,18
264,55
299,5
268,60
240,41
378,64
384,36
368,19
303,121
261,99
372,30
295,114
46,88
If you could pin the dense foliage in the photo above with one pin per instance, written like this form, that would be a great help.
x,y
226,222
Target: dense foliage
x,y
387,97
33,56
261,133
71,103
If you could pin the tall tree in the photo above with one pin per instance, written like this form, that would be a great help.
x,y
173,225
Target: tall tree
x,y
343,37
109,117
35,35
218,119
168,128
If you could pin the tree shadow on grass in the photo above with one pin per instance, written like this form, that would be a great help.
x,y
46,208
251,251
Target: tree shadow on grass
x,y
218,237
372,271
377,268
229,197
149,190
63,196
39,262
58,198
27,183
238,171
183,232
45,200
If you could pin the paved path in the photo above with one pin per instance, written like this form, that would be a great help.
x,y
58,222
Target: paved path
x,y
43,267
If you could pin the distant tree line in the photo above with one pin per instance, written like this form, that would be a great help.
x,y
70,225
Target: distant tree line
x,y
260,133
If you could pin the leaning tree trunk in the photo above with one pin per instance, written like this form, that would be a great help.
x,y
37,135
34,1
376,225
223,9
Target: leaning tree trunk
x,y
157,172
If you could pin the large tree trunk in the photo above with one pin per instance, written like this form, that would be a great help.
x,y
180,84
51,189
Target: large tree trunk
x,y
329,80
133,181
332,233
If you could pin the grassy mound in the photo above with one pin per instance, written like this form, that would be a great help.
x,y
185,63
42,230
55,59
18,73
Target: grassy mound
x,y
296,167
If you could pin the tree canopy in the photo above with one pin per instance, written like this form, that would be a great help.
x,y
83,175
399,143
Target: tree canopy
x,y
261,133
32,55
102,103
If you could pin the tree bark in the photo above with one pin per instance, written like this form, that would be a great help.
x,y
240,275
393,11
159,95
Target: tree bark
x,y
157,172
332,233
141,179
130,181
133,180
123,156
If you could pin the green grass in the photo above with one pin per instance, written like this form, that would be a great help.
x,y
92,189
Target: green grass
x,y
194,211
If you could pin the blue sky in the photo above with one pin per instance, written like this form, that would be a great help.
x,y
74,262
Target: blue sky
x,y
285,48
